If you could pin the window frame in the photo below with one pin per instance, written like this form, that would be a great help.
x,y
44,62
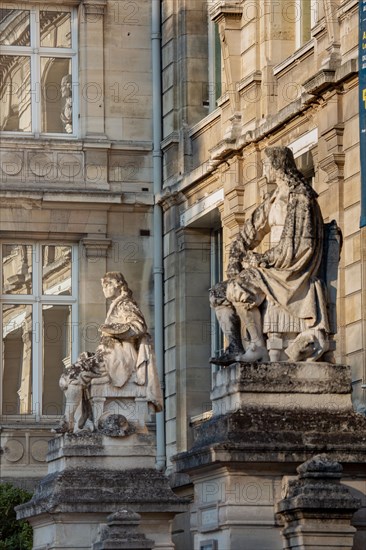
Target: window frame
x,y
311,20
214,65
217,275
37,300
35,52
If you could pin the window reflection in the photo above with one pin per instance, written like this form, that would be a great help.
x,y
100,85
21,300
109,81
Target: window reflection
x,y
56,270
17,352
15,96
17,269
14,27
55,29
56,95
56,353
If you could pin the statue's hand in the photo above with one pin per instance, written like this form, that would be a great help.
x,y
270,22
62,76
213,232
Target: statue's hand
x,y
253,259
233,269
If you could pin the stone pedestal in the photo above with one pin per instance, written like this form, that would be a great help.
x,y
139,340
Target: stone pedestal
x,y
266,420
317,508
121,533
90,476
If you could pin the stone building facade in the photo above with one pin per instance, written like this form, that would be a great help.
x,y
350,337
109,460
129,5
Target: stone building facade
x,y
78,162
76,197
238,77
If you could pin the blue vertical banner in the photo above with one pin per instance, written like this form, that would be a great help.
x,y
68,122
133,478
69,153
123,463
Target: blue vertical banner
x,y
362,95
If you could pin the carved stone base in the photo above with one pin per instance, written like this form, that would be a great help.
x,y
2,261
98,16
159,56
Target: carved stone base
x,y
266,420
317,508
91,476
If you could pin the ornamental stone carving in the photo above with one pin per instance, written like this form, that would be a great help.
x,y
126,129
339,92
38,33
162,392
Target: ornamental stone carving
x,y
276,299
110,390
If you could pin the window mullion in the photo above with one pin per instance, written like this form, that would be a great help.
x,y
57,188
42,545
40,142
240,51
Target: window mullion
x,y
1,338
37,360
37,332
74,308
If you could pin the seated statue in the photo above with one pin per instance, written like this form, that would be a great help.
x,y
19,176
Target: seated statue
x,y
124,354
284,278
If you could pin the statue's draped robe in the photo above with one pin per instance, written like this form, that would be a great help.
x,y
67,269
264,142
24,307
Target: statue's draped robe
x,y
120,350
124,355
289,278
130,353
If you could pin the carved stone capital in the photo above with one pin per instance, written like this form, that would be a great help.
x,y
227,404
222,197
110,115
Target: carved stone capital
x,y
225,8
333,165
96,248
168,198
95,7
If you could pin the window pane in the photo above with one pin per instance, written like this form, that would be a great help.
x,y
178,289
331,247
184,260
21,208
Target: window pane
x,y
56,270
56,354
55,29
56,84
17,269
17,352
14,27
15,93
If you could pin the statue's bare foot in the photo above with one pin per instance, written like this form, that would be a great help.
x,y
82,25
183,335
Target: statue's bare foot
x,y
253,354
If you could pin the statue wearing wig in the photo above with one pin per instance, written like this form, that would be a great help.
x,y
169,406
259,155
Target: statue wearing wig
x,y
285,276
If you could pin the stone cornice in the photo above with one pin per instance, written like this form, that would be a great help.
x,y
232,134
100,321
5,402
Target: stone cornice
x,y
226,8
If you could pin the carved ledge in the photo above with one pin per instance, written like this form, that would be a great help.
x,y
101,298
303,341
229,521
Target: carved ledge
x,y
222,149
168,198
333,165
320,82
233,222
254,78
225,8
171,139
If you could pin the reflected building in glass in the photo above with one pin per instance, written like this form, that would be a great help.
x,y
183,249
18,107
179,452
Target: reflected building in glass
x,y
36,71
36,321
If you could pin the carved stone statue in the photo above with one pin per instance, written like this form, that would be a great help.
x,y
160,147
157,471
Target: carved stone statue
x,y
281,283
66,94
123,359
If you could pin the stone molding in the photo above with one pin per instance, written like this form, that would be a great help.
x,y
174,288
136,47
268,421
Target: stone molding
x,y
95,7
225,8
96,248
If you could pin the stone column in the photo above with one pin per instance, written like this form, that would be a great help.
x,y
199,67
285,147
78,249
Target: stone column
x,y
317,509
